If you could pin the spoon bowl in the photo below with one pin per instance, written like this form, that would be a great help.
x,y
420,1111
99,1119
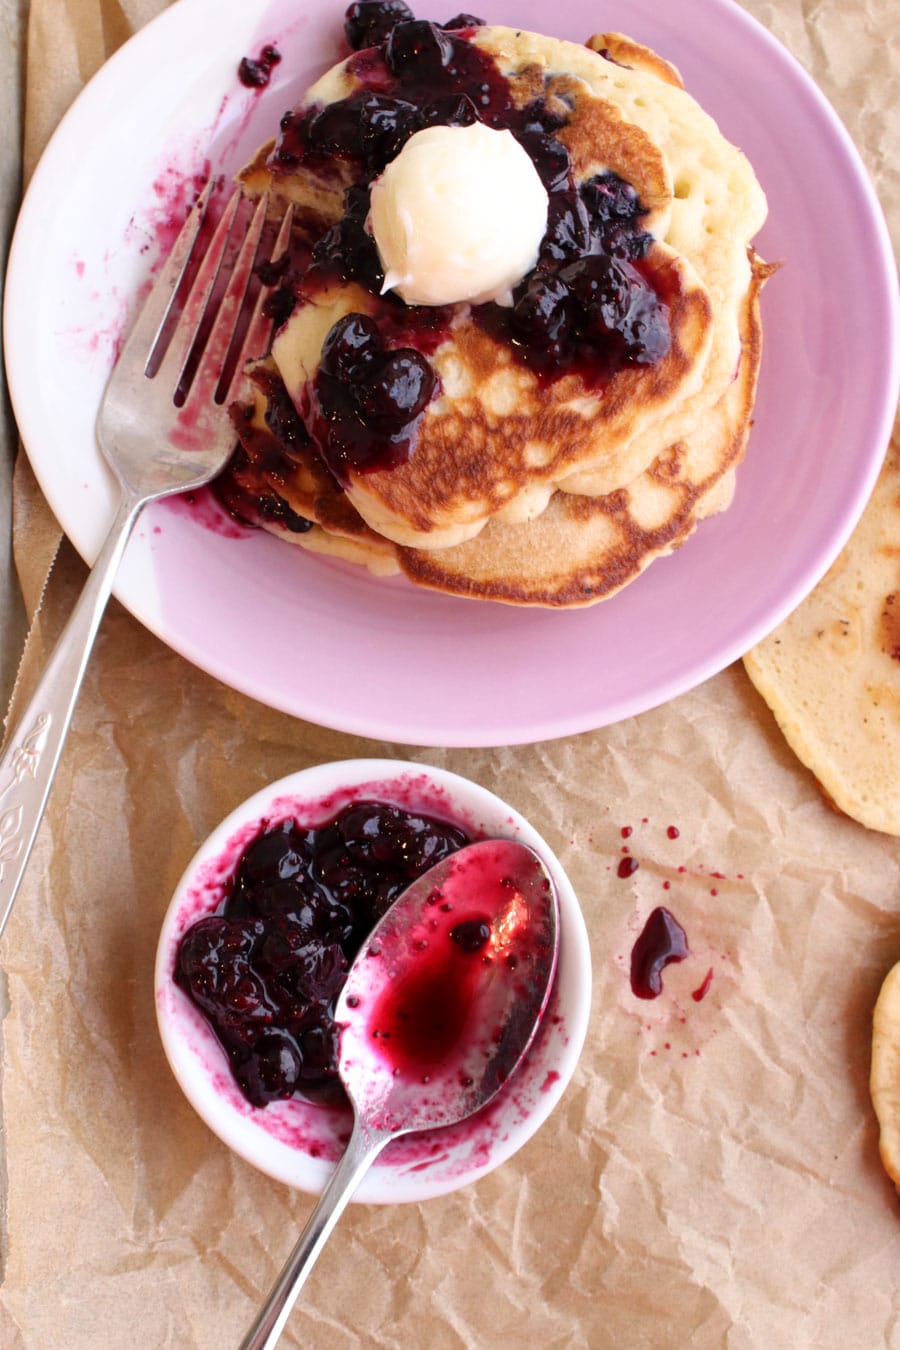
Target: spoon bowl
x,y
447,993
439,1007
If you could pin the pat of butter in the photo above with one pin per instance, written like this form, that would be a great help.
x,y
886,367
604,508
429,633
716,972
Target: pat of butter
x,y
458,216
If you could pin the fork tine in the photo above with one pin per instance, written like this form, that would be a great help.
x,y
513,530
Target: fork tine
x,y
152,318
213,360
259,325
171,369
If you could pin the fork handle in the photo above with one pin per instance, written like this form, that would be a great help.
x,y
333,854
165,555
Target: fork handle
x,y
32,752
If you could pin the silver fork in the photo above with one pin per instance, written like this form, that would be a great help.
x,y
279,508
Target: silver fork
x,y
163,427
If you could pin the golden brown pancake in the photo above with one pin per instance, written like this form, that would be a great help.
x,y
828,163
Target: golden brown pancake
x,y
831,671
520,488
884,1072
578,551
584,549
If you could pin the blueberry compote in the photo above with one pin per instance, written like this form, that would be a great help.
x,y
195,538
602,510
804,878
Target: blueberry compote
x,y
662,941
255,72
244,487
267,967
592,305
367,396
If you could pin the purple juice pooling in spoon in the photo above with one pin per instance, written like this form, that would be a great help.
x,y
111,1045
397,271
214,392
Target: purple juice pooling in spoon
x,y
444,997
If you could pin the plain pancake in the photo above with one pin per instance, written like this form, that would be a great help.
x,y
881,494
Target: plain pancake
x,y
831,671
884,1072
717,209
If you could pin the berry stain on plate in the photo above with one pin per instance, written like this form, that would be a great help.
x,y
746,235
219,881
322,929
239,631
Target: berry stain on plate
x,y
204,508
150,230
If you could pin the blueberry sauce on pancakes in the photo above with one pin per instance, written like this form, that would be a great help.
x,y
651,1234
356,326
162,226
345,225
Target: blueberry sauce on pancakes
x,y
543,442
592,303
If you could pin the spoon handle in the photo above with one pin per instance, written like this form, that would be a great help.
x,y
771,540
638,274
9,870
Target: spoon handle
x,y
366,1142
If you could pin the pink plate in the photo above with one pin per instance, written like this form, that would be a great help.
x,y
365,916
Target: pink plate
x,y
331,644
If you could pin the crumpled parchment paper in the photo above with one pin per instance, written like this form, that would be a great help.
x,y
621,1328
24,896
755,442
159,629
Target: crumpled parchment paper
x,y
711,1177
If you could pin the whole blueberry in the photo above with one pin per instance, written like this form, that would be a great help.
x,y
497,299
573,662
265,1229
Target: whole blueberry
x,y
368,22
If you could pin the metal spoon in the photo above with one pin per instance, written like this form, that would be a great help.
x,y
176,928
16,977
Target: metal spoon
x,y
439,1007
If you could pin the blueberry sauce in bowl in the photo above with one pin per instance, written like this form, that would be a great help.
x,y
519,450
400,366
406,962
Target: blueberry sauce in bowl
x,y
266,968
255,946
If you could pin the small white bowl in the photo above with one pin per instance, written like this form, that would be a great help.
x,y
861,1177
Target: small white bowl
x,y
298,1142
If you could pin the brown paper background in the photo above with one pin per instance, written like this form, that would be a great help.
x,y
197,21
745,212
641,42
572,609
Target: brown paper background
x,y
711,1177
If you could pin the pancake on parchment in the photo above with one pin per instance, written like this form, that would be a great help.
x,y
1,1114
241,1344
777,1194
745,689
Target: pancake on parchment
x,y
884,1072
525,482
831,671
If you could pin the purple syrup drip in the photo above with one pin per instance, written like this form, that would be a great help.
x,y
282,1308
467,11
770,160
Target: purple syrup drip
x,y
662,941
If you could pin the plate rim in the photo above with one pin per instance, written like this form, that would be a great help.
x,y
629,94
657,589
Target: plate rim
x,y
559,724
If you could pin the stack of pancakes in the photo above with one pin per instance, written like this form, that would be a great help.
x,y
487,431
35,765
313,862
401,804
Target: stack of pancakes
x,y
522,489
